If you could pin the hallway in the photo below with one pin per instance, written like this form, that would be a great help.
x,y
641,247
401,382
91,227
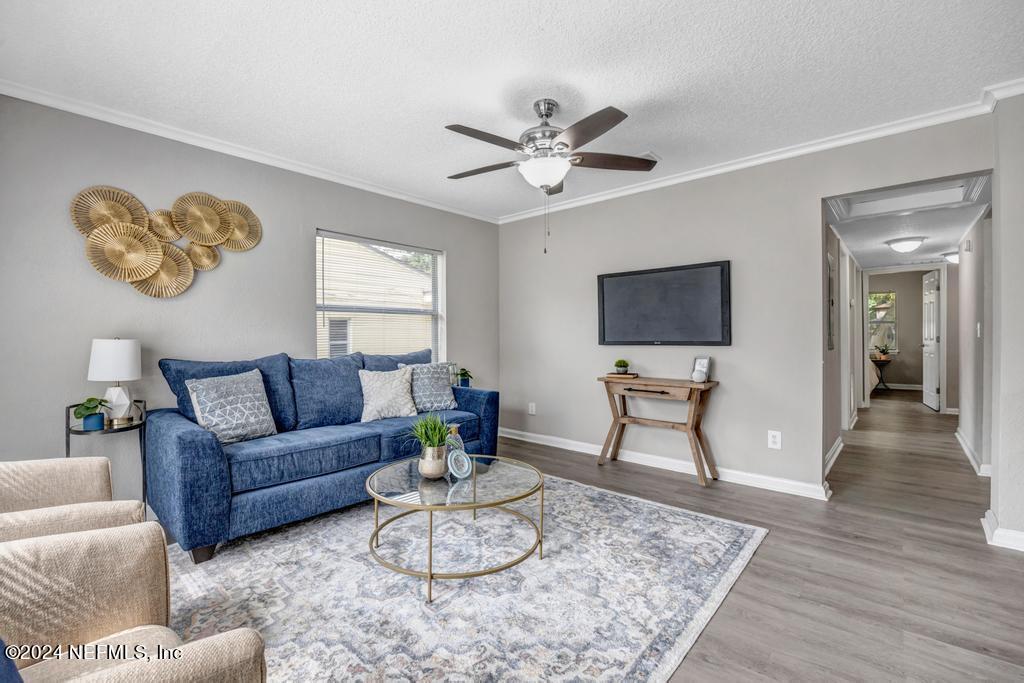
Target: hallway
x,y
889,580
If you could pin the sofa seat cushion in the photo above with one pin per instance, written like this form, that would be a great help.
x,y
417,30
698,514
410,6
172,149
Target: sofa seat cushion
x,y
290,456
276,381
396,442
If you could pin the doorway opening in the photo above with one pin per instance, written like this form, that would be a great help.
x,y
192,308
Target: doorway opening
x,y
905,330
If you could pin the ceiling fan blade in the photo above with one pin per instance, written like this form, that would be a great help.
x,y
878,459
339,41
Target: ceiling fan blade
x,y
555,190
483,169
487,137
589,128
612,162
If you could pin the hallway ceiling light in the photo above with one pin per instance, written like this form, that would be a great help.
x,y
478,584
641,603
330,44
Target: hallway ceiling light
x,y
952,257
905,245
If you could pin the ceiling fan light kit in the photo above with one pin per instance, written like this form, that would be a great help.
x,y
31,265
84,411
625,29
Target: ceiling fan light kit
x,y
552,151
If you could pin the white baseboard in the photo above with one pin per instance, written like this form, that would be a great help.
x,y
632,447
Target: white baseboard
x,y
1004,538
950,411
761,481
833,454
982,470
903,387
853,419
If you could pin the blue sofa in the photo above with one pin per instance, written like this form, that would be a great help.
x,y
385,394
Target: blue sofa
x,y
205,493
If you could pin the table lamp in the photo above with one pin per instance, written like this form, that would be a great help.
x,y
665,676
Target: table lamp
x,y
116,360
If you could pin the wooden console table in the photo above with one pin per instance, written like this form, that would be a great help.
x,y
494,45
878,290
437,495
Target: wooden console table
x,y
695,393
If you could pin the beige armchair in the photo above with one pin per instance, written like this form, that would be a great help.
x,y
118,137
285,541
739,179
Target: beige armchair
x,y
109,587
60,495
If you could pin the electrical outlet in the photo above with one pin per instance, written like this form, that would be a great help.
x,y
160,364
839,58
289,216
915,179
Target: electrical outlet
x,y
531,408
774,440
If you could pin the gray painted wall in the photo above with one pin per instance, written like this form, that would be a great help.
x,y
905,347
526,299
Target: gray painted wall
x,y
1008,316
906,366
832,393
973,380
767,220
254,303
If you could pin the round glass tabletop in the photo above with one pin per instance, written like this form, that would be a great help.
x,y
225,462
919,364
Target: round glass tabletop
x,y
496,481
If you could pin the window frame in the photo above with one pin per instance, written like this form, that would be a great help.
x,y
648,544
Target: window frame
x,y
874,324
437,313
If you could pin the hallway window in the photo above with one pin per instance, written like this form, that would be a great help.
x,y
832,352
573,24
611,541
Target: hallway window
x,y
882,320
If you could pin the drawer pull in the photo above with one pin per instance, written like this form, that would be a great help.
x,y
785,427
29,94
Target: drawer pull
x,y
647,391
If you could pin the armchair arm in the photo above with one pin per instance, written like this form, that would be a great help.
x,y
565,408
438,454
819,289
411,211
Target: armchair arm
x,y
235,656
485,404
188,480
63,519
79,587
30,484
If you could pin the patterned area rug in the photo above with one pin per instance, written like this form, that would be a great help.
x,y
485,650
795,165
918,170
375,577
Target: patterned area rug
x,y
623,591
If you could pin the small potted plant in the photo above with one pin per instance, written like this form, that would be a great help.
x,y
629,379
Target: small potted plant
x,y
621,366
464,377
883,351
432,433
90,413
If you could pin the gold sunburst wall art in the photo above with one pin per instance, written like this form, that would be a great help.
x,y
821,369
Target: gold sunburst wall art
x,y
127,243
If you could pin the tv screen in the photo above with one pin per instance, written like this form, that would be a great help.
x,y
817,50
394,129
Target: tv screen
x,y
683,305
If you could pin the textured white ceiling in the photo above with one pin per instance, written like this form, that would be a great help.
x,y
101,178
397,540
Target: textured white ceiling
x,y
941,226
364,89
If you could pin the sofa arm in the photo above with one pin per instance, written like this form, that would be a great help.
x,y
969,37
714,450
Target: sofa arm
x,y
187,478
485,404
30,484
80,587
63,519
235,656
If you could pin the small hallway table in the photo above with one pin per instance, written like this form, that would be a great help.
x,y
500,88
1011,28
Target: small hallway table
x,y
694,393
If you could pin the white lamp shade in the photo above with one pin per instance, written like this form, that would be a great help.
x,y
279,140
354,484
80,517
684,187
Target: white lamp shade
x,y
115,360
544,171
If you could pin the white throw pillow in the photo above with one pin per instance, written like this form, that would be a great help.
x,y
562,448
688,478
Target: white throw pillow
x,y
387,394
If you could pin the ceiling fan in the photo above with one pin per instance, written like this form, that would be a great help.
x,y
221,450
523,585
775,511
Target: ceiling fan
x,y
552,151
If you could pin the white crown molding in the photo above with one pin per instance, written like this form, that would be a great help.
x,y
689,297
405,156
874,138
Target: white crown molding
x,y
119,118
989,97
833,453
986,103
761,481
1004,538
982,470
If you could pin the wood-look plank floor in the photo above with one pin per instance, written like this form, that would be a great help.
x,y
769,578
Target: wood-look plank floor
x,y
889,580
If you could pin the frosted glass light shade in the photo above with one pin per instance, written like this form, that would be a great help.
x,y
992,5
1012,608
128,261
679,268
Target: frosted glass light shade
x,y
544,171
952,257
115,360
905,245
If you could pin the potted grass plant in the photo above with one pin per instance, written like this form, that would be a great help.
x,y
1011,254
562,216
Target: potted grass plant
x,y
621,366
432,433
90,412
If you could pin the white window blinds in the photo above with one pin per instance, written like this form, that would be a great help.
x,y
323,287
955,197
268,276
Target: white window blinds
x,y
376,297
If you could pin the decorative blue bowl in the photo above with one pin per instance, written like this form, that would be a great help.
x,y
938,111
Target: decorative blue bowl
x,y
93,423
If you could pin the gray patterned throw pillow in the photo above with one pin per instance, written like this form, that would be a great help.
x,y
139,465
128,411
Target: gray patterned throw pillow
x,y
387,394
234,407
432,387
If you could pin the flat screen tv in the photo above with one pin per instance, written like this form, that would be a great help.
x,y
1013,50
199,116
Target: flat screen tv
x,y
682,305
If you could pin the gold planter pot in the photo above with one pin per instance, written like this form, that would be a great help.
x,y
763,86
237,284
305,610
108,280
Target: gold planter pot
x,y
433,462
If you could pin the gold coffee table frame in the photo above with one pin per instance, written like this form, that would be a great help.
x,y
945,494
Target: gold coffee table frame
x,y
411,508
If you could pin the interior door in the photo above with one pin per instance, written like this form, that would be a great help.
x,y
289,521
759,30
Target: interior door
x,y
930,339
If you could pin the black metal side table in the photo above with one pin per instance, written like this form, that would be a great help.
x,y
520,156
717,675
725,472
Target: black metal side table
x,y
138,424
880,363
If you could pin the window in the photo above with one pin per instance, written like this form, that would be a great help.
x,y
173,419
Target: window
x,y
882,320
377,297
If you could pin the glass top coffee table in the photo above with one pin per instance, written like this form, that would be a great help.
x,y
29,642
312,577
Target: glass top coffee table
x,y
495,482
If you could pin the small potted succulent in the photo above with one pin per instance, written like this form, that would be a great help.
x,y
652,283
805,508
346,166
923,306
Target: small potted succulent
x,y
432,433
621,366
90,413
883,351
464,377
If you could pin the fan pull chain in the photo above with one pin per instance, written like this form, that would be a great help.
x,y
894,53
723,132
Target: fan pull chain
x,y
547,221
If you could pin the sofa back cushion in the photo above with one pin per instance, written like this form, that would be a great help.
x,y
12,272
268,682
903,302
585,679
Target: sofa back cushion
x,y
276,381
327,390
388,363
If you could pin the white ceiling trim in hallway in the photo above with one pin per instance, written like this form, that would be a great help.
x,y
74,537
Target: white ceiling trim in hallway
x,y
985,105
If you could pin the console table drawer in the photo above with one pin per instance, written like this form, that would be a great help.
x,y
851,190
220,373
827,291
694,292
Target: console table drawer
x,y
638,390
